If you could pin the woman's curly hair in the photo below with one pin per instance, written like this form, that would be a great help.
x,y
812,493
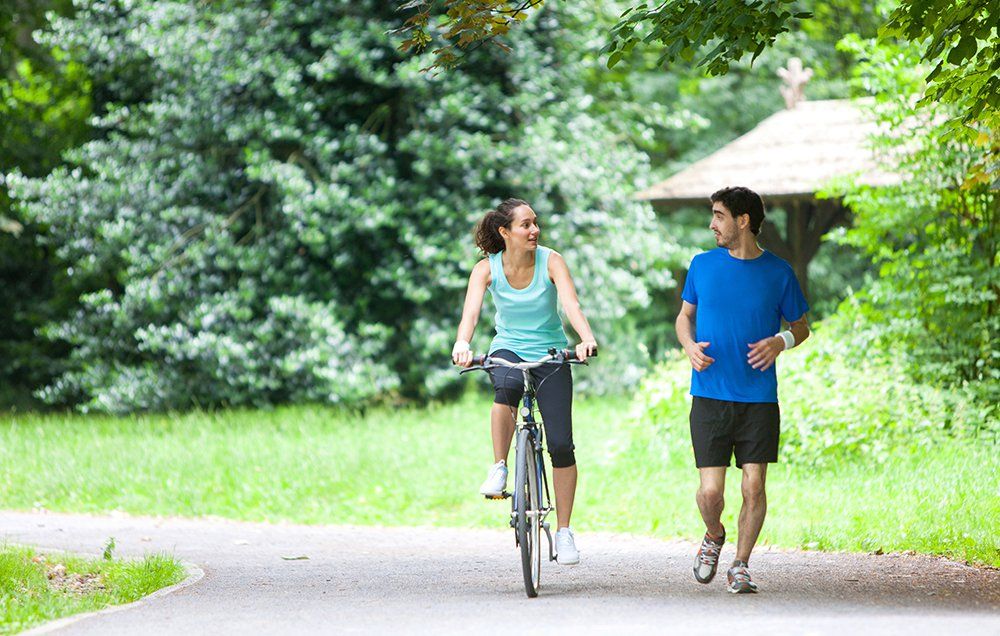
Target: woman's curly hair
x,y
487,231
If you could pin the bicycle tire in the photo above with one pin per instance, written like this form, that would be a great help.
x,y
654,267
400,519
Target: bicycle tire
x,y
535,520
522,504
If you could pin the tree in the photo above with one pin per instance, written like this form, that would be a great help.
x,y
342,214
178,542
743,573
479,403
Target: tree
x,y
19,19
44,105
959,37
956,48
277,204
935,235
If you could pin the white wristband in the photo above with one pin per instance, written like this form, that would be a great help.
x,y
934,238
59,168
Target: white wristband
x,y
461,346
788,338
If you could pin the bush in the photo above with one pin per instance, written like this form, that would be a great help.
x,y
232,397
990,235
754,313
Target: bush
x,y
934,234
278,205
841,398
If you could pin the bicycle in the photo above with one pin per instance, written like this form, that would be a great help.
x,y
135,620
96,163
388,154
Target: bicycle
x,y
530,501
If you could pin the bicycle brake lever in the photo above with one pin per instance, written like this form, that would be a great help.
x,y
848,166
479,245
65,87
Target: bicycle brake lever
x,y
480,367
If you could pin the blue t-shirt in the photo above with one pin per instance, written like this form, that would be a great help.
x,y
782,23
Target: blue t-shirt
x,y
739,302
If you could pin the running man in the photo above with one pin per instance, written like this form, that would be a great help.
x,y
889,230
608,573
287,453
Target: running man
x,y
733,301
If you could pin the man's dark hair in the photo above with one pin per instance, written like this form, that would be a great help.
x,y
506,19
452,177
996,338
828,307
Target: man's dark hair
x,y
740,200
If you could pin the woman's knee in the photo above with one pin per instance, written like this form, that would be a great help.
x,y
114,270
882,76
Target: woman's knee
x,y
507,396
562,456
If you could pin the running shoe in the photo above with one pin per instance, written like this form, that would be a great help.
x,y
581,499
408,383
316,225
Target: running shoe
x,y
739,579
566,552
706,562
496,482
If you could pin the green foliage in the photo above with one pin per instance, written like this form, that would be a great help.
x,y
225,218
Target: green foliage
x,y
44,104
963,43
638,80
43,110
842,399
109,549
933,234
683,26
18,22
960,37
278,205
678,115
681,115
466,24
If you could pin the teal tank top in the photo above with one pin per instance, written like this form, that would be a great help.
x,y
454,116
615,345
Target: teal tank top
x,y
527,320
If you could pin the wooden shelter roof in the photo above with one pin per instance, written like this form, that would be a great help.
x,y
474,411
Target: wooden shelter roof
x,y
790,154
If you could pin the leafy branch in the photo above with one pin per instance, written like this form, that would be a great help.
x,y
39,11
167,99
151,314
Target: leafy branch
x,y
466,24
960,39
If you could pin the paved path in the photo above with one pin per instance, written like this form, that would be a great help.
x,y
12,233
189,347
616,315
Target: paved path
x,y
442,581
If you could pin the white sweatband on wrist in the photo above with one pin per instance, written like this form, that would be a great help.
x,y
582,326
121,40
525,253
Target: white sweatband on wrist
x,y
461,346
788,337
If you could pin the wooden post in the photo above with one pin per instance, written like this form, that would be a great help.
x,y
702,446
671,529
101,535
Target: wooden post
x,y
797,232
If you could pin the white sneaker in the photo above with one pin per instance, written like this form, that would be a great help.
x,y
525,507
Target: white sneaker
x,y
496,482
566,552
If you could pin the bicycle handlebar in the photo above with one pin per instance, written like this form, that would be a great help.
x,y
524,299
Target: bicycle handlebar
x,y
561,356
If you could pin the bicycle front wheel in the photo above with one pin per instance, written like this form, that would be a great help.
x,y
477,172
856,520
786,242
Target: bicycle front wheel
x,y
526,511
535,512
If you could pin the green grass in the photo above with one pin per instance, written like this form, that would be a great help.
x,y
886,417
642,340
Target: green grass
x,y
28,596
943,499
424,466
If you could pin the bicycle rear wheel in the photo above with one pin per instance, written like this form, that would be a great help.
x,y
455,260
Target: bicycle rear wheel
x,y
526,512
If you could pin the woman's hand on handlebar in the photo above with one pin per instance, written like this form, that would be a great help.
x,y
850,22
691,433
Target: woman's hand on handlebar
x,y
461,354
585,349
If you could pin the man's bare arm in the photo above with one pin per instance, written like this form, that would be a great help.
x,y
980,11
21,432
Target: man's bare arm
x,y
799,329
685,334
764,352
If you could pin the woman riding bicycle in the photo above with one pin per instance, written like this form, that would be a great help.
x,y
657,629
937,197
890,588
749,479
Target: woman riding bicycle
x,y
525,279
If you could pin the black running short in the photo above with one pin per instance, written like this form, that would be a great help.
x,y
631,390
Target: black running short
x,y
720,427
554,393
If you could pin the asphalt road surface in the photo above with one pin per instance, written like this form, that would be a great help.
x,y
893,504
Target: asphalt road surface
x,y
366,580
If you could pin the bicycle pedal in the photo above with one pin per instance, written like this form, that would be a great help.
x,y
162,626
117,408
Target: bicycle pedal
x,y
501,496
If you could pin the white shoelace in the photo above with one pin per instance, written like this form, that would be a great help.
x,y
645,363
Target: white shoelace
x,y
709,554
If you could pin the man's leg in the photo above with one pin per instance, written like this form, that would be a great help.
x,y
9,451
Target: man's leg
x,y
712,440
710,503
757,437
753,510
711,499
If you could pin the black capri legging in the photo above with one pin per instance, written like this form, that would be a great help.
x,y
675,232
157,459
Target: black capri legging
x,y
554,388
